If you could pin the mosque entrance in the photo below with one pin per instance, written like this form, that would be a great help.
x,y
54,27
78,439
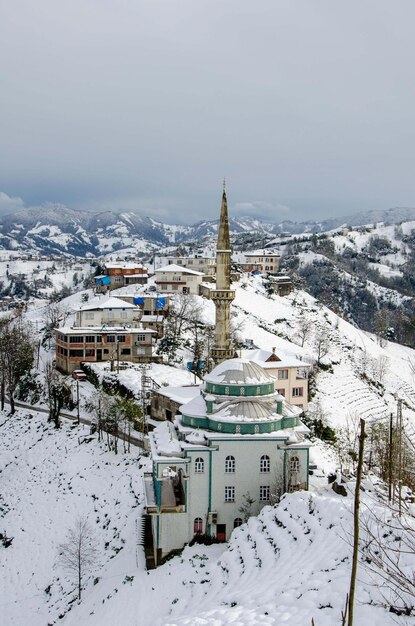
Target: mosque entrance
x,y
221,532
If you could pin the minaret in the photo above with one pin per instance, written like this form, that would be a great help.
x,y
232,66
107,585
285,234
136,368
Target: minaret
x,y
222,296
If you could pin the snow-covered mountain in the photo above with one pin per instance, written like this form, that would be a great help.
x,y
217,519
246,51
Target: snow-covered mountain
x,y
55,228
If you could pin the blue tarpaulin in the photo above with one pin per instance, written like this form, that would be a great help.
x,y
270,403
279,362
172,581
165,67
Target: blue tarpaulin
x,y
138,300
160,302
102,280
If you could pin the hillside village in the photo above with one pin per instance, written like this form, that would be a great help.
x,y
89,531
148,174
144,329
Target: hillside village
x,y
200,407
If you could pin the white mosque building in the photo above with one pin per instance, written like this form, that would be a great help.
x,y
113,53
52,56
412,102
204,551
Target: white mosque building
x,y
232,449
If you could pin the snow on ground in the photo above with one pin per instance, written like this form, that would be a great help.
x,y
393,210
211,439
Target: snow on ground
x,y
48,479
286,566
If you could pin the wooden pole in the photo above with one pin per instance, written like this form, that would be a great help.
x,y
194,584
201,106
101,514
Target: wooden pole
x,y
356,523
390,458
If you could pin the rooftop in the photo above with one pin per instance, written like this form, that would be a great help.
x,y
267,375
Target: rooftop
x,y
108,303
177,268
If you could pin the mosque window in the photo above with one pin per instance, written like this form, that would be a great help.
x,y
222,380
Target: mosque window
x,y
264,493
237,522
258,391
265,464
227,391
294,464
198,526
229,494
230,464
242,391
238,428
256,429
199,465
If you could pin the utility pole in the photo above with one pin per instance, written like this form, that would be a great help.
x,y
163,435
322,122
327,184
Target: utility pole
x,y
390,457
400,452
362,437
78,421
118,355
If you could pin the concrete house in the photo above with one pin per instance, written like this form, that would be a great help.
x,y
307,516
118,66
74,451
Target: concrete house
x,y
121,275
175,279
204,264
110,311
290,373
266,262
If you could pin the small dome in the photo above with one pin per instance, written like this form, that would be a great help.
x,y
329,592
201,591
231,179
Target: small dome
x,y
239,372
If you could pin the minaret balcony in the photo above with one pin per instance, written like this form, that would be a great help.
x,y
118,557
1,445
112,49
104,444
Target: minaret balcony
x,y
222,294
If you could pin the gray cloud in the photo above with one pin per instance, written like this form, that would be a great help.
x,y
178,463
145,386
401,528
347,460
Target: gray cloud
x,y
8,204
147,105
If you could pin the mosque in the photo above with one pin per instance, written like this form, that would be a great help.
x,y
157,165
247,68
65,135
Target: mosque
x,y
232,449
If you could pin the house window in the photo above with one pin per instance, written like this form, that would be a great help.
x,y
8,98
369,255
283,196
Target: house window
x,y
89,315
99,339
264,493
294,464
198,526
282,374
237,522
199,465
229,494
75,339
121,338
76,353
281,392
264,465
164,287
89,339
230,464
141,337
298,392
125,351
110,338
124,315
117,279
89,352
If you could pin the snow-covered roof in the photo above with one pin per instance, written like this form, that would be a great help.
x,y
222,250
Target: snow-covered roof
x,y
164,441
180,394
261,356
177,268
240,372
124,266
108,303
104,329
152,318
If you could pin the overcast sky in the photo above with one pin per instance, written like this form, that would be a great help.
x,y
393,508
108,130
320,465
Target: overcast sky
x,y
306,106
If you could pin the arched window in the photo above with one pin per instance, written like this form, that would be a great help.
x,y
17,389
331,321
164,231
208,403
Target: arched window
x,y
264,465
230,464
294,464
199,465
198,526
237,522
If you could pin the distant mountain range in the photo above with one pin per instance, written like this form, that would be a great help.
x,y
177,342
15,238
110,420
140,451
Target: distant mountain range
x,y
57,229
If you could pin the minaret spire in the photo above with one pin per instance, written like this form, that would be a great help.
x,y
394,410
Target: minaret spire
x,y
222,296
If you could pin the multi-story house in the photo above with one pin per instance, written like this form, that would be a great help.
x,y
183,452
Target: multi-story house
x,y
264,263
290,373
77,345
204,264
175,279
121,275
109,311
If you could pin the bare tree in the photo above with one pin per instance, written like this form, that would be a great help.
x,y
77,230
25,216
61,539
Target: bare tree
x,y
78,553
321,345
17,353
57,392
304,329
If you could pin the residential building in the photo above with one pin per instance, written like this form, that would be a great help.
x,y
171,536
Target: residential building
x,y
264,263
204,264
76,345
175,279
110,311
166,401
291,374
121,275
